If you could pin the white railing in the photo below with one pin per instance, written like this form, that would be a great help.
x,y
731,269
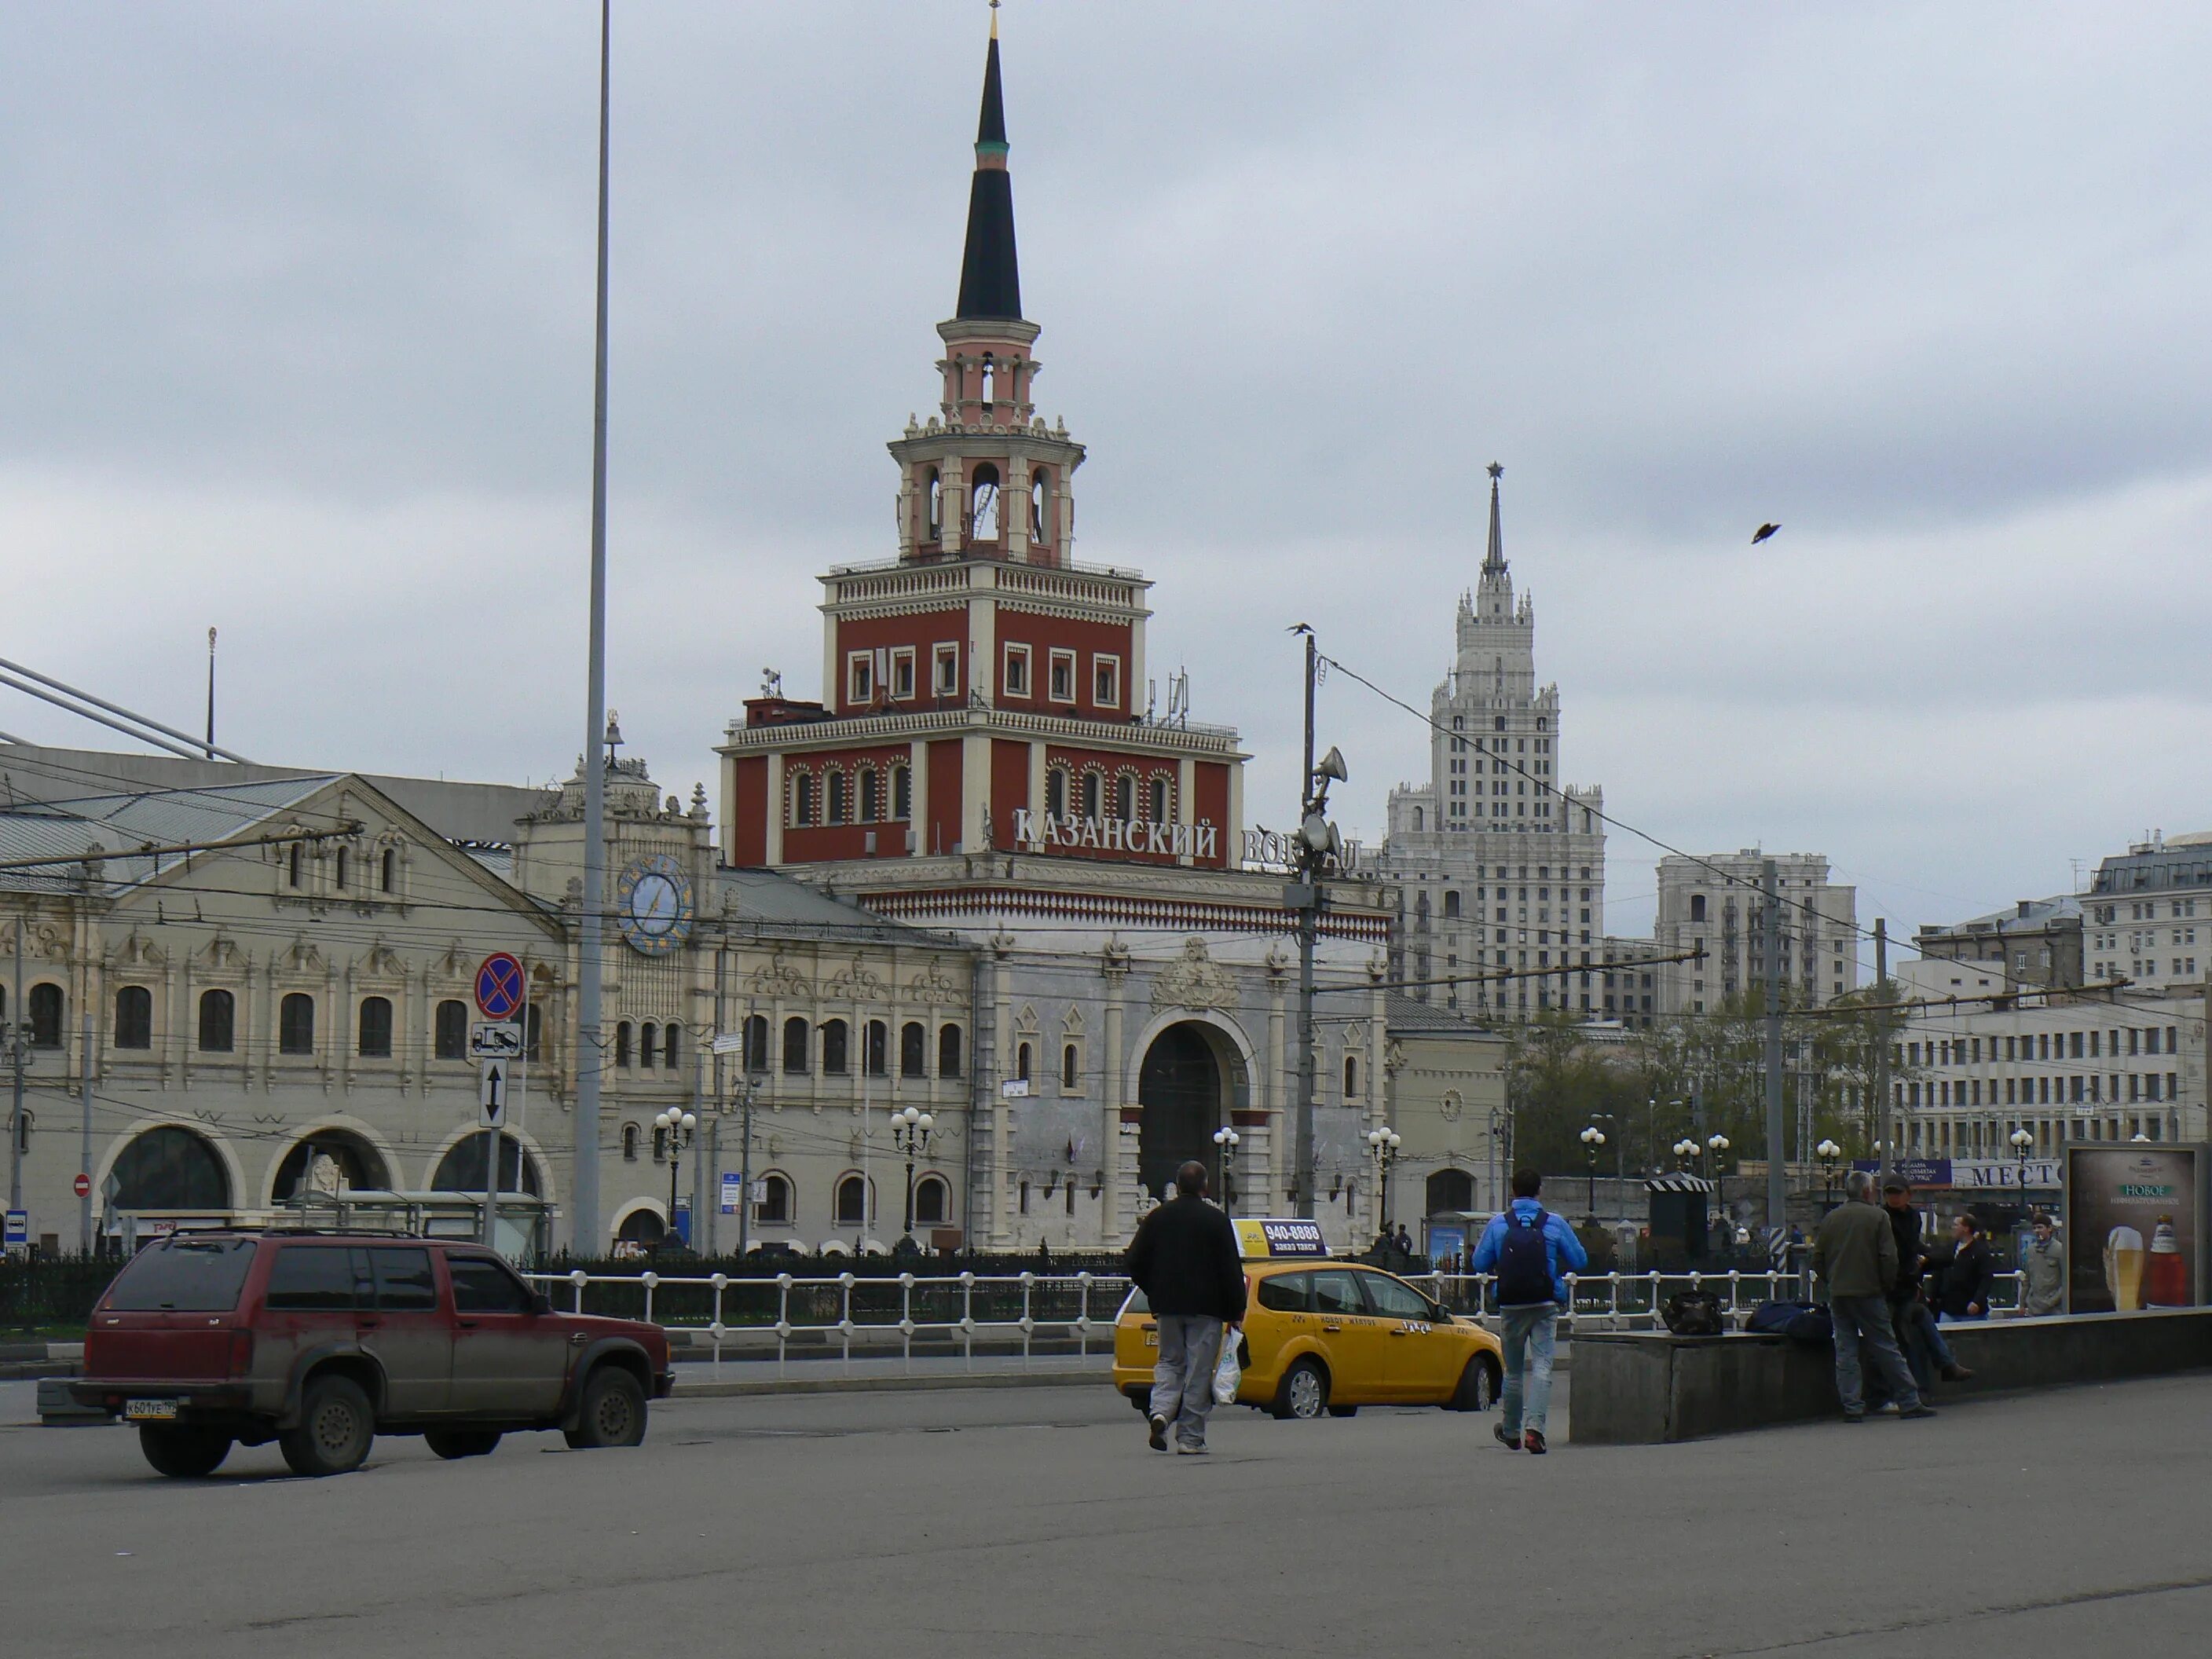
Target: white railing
x,y
957,1310
1628,1302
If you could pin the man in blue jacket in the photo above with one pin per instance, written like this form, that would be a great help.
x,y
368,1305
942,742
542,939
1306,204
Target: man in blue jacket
x,y
1531,1251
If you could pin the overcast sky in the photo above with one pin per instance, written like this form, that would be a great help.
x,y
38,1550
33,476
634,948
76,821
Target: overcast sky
x,y
298,342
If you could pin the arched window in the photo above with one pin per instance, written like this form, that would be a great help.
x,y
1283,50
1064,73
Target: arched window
x,y
1697,906
990,379
1449,1190
533,1031
171,1169
872,800
648,1045
1451,907
802,800
983,504
1022,1061
218,1022
671,1045
338,879
292,865
934,507
876,1061
852,1202
1039,502
46,1006
453,1029
1417,818
661,1143
902,794
462,1169
913,1050
388,877
948,1051
329,1159
756,1043
630,1143
134,1017
1094,791
775,1205
836,797
1159,800
375,1038
1351,1076
1055,793
621,1043
1500,722
794,1047
1125,798
931,1202
295,1024
1067,1066
833,1047
641,1226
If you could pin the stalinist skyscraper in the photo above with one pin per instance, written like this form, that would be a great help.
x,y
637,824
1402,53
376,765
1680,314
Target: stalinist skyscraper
x,y
1498,865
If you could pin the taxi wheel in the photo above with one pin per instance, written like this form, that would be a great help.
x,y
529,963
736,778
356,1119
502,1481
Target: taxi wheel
x,y
1304,1392
1344,1410
1477,1385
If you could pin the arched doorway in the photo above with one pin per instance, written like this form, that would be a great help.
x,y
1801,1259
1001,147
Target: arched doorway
x,y
331,1161
642,1226
1180,1087
1451,1191
171,1169
462,1169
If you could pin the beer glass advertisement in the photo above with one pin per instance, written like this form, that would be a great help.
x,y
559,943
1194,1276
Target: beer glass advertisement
x,y
2135,1227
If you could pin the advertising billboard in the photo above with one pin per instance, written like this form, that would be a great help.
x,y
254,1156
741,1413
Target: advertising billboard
x,y
2135,1227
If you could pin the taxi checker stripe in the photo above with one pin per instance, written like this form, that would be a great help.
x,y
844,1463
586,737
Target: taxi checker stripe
x,y
499,987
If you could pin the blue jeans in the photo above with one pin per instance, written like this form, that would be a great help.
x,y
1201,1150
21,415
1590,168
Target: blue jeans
x,y
1926,1350
1528,1335
1864,1321
1182,1376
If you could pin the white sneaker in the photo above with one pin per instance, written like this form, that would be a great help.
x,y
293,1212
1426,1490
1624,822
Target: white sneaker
x,y
1184,1449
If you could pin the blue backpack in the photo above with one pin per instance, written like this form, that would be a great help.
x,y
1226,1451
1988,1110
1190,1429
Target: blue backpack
x,y
1524,1263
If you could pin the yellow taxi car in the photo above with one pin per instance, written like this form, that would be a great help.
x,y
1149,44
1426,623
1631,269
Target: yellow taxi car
x,y
1328,1336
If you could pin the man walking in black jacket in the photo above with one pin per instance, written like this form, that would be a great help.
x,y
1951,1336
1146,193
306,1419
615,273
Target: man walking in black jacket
x,y
1185,1261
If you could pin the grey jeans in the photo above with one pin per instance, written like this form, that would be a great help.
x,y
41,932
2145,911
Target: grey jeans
x,y
1182,1377
1528,1338
1864,1320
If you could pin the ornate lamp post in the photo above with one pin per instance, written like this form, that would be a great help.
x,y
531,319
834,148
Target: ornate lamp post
x,y
1225,1139
1684,1150
1827,1152
1718,1145
911,1129
1383,1147
676,1131
1592,1139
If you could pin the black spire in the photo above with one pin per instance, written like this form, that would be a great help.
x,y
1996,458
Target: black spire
x,y
990,275
1493,563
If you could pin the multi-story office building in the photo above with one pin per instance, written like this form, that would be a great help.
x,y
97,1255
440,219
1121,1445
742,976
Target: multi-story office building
x,y
1496,865
2142,914
1716,902
2038,941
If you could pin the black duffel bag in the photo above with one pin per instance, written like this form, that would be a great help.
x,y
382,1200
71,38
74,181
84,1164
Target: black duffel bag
x,y
1693,1313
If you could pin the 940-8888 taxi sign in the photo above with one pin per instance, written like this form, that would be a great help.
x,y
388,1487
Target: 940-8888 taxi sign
x,y
1261,1238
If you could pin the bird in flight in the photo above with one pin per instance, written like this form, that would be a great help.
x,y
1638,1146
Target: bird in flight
x,y
1763,532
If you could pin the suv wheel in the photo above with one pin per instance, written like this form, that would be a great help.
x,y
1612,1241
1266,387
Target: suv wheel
x,y
613,1414
460,1443
335,1428
185,1453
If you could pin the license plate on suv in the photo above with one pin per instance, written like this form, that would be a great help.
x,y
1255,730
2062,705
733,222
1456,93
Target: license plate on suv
x,y
149,1410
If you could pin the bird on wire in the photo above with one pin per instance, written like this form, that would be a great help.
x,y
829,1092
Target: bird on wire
x,y
1763,532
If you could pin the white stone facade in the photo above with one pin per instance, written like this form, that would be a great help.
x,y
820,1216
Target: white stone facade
x,y
2148,916
1715,900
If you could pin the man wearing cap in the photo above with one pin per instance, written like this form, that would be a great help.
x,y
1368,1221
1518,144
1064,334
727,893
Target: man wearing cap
x,y
1918,1334
2044,1263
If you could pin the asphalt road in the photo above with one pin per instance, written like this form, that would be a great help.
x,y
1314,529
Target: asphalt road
x,y
1021,1522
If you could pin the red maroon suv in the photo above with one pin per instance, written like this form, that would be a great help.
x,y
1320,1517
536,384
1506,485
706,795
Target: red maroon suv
x,y
320,1342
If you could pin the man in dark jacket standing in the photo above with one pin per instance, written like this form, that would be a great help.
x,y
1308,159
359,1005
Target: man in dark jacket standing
x,y
1185,1260
1926,1350
1855,1255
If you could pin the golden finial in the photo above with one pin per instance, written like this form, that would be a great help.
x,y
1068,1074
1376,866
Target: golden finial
x,y
994,19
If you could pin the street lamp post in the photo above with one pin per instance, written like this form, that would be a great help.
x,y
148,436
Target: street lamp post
x,y
1224,1140
676,1129
1592,1139
911,1130
1383,1147
1718,1145
1827,1152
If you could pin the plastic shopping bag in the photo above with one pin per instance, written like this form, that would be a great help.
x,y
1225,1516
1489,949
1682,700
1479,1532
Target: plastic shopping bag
x,y
1227,1376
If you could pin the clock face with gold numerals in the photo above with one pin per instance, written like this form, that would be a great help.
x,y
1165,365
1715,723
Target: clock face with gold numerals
x,y
653,906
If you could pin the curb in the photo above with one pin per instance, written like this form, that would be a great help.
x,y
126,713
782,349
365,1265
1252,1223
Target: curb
x,y
1100,1377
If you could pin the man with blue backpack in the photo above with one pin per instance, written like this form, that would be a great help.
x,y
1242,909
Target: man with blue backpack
x,y
1531,1252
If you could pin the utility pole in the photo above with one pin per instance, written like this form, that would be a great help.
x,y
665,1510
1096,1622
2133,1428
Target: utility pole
x,y
746,1169
584,1179
1306,896
84,1143
1884,1125
715,1121
1777,1185
17,1042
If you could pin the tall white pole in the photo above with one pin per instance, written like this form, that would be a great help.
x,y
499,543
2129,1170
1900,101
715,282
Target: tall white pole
x,y
584,1222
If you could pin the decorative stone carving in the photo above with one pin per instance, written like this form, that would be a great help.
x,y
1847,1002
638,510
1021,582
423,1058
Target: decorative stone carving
x,y
1277,962
779,979
857,984
1114,958
1193,980
929,986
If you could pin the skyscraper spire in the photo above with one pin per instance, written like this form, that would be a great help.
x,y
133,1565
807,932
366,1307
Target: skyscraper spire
x,y
1493,563
990,275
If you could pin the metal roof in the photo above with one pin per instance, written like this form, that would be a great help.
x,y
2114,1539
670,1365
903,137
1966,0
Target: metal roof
x,y
769,898
1405,1013
1678,1183
147,817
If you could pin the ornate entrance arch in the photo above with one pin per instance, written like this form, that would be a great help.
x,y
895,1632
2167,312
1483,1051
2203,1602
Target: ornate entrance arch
x,y
1192,1078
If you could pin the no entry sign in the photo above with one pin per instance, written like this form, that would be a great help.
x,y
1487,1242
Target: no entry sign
x,y
499,986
